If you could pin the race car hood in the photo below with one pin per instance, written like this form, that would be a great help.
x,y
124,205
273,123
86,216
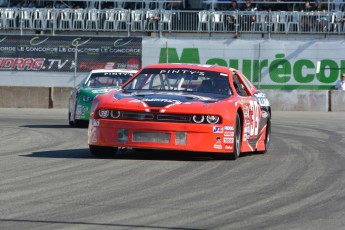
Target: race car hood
x,y
131,99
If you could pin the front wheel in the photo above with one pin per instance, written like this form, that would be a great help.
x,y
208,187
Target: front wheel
x,y
103,151
75,122
237,140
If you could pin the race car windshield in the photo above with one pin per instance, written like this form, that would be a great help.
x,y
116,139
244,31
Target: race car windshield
x,y
189,80
107,79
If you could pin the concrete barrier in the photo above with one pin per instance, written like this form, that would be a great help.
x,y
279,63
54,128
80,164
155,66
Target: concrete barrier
x,y
337,101
281,100
24,97
60,97
298,100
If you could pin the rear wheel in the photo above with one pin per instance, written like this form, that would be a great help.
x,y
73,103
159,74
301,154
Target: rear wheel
x,y
103,151
237,139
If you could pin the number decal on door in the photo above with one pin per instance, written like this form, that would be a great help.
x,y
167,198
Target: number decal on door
x,y
254,118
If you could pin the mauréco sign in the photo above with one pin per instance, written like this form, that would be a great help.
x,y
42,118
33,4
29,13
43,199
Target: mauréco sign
x,y
268,64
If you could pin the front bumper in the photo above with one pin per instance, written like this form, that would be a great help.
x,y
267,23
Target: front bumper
x,y
161,135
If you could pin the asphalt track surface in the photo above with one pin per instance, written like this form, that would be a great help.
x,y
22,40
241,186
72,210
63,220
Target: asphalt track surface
x,y
49,180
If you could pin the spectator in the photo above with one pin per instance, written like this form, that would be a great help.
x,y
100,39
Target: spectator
x,y
234,6
249,6
32,4
231,18
307,7
321,21
173,6
307,19
319,7
223,5
340,84
248,19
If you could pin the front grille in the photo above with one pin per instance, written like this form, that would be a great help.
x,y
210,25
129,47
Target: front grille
x,y
173,117
155,117
137,116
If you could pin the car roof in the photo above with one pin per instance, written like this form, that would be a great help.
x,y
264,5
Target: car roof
x,y
191,66
114,71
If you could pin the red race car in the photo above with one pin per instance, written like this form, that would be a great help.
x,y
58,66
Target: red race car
x,y
185,107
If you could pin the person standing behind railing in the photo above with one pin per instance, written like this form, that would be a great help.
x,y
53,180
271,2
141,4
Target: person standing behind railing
x,y
247,19
340,84
234,6
307,17
321,21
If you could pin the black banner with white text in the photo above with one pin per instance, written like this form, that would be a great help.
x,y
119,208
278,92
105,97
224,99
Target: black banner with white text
x,y
63,53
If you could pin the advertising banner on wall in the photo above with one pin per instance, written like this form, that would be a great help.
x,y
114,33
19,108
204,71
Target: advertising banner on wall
x,y
63,53
270,64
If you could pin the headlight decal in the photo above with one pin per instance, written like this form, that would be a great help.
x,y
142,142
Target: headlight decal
x,y
158,117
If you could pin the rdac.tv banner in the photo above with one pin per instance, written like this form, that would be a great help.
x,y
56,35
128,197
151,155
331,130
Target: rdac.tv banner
x,y
63,53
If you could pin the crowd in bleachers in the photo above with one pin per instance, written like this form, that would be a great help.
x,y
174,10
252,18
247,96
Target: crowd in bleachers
x,y
303,6
176,15
221,5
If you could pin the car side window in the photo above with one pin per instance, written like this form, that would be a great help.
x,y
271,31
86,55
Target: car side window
x,y
239,87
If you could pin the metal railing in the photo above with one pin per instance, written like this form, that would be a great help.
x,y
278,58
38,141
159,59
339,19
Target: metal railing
x,y
164,21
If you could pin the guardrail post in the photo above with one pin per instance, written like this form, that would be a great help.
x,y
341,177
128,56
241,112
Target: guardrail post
x,y
330,101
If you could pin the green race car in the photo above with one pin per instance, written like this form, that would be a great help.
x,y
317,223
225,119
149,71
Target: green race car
x,y
97,82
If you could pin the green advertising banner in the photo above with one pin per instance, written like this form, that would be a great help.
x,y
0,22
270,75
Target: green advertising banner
x,y
269,64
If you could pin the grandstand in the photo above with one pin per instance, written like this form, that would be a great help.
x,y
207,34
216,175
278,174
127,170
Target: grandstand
x,y
171,17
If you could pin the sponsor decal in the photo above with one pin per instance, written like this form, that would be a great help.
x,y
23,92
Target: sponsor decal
x,y
217,146
228,134
95,122
229,128
246,129
21,63
119,42
228,147
183,71
228,140
101,90
97,65
79,42
218,129
261,98
80,111
161,100
35,41
103,113
94,139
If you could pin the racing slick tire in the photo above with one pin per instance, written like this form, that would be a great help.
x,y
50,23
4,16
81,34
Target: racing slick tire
x,y
103,151
237,140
